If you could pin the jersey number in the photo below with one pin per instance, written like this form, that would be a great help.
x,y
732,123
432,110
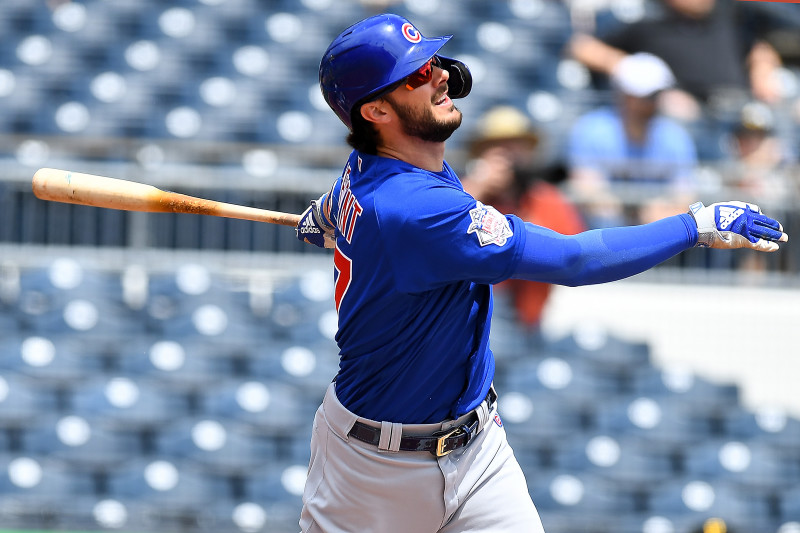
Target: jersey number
x,y
344,268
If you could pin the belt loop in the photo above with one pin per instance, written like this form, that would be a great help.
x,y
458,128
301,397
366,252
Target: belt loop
x,y
483,414
485,408
397,434
391,433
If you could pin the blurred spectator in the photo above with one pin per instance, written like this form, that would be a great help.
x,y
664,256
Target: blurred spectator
x,y
710,45
760,168
627,163
504,172
761,160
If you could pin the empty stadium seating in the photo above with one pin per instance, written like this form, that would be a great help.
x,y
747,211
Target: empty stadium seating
x,y
608,441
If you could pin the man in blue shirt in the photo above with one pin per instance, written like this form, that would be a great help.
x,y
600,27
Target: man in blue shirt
x,y
627,159
408,437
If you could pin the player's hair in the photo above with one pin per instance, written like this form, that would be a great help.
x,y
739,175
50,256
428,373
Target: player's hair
x,y
363,136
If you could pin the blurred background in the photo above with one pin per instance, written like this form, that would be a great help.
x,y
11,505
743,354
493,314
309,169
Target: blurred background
x,y
159,373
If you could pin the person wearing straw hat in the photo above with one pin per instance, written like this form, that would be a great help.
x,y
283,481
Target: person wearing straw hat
x,y
504,171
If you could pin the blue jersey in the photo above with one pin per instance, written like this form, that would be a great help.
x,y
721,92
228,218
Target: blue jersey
x,y
414,262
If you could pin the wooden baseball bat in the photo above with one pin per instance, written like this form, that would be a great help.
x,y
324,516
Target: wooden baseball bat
x,y
99,191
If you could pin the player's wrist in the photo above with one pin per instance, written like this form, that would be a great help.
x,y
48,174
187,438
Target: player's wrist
x,y
319,213
704,225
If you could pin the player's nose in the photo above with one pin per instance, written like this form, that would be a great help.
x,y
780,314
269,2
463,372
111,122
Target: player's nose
x,y
440,75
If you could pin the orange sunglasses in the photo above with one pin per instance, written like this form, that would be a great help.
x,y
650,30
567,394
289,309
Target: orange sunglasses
x,y
423,75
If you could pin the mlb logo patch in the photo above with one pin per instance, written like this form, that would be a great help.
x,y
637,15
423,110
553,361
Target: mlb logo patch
x,y
497,420
489,225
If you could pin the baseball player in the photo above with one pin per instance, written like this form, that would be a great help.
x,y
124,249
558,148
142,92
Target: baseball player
x,y
408,437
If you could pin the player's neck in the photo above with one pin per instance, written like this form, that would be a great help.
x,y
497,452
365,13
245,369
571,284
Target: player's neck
x,y
421,154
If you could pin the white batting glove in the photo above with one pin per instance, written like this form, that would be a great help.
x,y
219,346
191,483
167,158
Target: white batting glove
x,y
736,225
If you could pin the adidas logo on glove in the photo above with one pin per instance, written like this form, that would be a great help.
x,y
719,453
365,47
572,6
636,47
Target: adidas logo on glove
x,y
727,215
308,227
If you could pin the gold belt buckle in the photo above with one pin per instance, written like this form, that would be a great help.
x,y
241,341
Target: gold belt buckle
x,y
440,443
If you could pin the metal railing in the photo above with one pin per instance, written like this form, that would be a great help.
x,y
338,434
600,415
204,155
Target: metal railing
x,y
217,171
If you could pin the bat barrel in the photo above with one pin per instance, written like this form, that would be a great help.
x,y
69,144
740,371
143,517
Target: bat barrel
x,y
97,191
100,191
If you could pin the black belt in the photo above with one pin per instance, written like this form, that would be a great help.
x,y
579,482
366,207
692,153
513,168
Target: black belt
x,y
439,443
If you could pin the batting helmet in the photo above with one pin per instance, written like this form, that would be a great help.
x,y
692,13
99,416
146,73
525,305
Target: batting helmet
x,y
375,53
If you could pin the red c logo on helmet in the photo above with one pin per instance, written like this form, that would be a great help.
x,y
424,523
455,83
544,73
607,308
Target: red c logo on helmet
x,y
411,33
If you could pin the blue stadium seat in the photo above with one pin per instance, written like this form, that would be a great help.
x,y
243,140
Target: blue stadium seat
x,y
659,423
211,321
774,425
84,316
537,423
753,465
692,499
297,447
595,344
709,405
23,399
168,485
40,511
93,513
215,445
190,284
78,443
9,322
29,17
120,402
685,387
279,485
268,407
184,365
249,515
582,500
628,463
308,366
67,297
54,360
5,441
577,382
34,482
191,301
64,279
300,303
789,504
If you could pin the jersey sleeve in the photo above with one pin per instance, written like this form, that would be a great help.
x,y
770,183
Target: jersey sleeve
x,y
603,255
439,234
331,200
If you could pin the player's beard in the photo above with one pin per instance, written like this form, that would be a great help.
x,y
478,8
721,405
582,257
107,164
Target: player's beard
x,y
422,124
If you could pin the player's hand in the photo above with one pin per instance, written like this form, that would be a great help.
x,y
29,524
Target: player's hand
x,y
314,228
736,225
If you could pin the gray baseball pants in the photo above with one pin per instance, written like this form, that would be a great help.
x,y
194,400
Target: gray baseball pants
x,y
354,487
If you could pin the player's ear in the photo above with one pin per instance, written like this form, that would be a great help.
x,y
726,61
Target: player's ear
x,y
375,111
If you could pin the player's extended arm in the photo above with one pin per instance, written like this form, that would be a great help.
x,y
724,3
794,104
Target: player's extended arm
x,y
599,256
